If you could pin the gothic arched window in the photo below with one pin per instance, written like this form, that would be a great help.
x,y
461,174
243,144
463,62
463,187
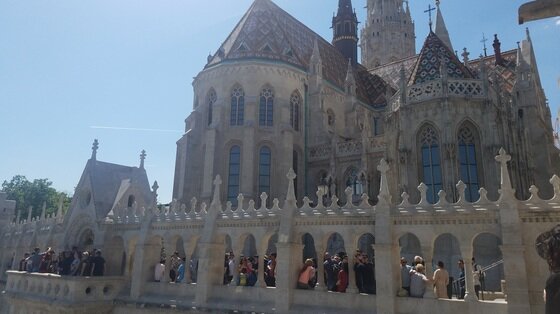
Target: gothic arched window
x,y
468,169
266,107
233,174
237,106
265,163
295,104
431,162
355,182
211,100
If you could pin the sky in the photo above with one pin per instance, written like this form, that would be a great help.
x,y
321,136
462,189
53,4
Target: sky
x,y
122,71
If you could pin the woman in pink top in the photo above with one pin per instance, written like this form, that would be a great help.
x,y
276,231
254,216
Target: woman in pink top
x,y
306,275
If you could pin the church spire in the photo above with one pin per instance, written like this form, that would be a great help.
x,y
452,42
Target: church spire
x,y
441,29
345,30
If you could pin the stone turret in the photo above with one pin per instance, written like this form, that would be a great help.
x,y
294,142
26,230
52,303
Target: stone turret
x,y
388,34
345,30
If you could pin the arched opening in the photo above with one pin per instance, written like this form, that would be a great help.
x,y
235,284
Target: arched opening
x,y
308,247
487,253
365,266
335,244
157,252
116,257
248,263
447,250
131,201
410,247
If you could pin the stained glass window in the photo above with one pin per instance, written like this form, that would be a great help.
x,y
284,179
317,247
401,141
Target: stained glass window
x,y
468,169
266,107
431,162
265,164
237,106
233,174
295,104
211,100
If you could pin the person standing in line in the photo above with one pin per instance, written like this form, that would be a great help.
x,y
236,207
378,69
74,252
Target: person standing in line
x,y
35,259
441,280
159,271
548,247
461,284
359,270
405,275
97,264
342,278
175,261
23,262
418,281
306,275
478,277
181,271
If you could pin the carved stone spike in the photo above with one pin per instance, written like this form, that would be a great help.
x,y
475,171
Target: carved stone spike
x,y
348,193
240,199
251,206
534,193
320,202
228,207
405,201
193,204
483,195
442,198
423,188
264,198
461,187
275,204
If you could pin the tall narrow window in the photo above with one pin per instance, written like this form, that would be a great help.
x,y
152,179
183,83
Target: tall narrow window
x,y
211,100
233,174
376,126
467,163
266,107
264,170
354,181
431,162
295,101
237,106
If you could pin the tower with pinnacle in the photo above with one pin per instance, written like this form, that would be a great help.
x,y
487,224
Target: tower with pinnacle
x,y
345,30
388,34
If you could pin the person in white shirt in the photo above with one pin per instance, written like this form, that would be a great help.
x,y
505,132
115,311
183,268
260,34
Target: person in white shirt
x,y
159,271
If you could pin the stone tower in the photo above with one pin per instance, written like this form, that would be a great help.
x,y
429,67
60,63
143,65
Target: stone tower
x,y
388,34
345,30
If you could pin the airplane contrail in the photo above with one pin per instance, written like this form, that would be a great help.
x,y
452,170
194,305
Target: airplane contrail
x,y
133,129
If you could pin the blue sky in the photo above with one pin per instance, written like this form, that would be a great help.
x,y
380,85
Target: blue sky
x,y
69,67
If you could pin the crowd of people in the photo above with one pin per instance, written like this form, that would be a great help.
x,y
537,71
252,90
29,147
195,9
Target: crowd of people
x,y
66,263
414,280
248,269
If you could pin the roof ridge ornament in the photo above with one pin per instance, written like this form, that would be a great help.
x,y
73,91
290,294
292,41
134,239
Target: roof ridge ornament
x,y
142,158
94,149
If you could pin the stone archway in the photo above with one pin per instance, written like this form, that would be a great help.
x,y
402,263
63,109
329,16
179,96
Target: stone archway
x,y
86,240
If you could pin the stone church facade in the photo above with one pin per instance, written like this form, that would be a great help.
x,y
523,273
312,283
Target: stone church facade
x,y
277,96
295,147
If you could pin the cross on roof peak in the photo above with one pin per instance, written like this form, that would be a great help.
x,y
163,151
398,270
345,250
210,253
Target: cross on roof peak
x,y
94,149
429,11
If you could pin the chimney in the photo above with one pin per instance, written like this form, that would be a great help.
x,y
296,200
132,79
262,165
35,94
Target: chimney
x,y
497,50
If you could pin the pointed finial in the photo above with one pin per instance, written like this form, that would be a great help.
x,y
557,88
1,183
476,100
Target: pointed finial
x,y
94,149
142,158
528,33
506,190
291,196
429,11
384,185
155,187
465,56
216,197
483,41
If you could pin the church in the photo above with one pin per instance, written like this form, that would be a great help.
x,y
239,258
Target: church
x,y
275,96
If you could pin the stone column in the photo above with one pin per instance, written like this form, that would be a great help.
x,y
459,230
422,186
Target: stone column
x,y
262,268
321,286
513,250
428,260
351,275
146,255
210,270
290,264
467,252
386,261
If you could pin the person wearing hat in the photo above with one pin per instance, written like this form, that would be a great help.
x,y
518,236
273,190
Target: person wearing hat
x,y
548,247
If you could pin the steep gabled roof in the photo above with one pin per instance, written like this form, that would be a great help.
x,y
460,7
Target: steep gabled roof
x,y
268,32
107,181
428,66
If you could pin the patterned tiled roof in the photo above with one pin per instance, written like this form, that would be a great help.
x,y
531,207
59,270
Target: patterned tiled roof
x,y
391,72
429,61
268,32
506,71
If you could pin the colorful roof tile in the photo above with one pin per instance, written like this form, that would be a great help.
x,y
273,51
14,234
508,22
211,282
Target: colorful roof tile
x,y
428,66
268,32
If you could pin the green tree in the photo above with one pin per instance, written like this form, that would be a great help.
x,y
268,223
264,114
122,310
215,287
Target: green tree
x,y
27,193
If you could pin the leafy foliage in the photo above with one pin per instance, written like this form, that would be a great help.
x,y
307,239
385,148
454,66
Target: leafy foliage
x,y
34,194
